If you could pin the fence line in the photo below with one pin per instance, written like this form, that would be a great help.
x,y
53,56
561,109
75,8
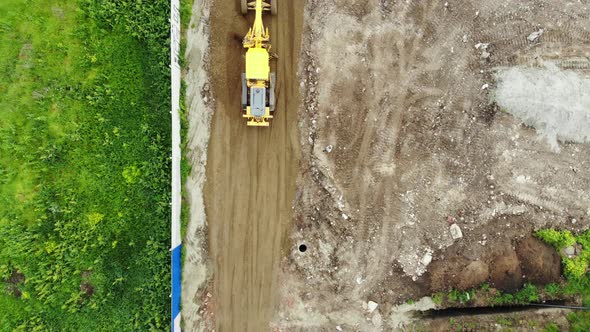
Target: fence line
x,y
176,244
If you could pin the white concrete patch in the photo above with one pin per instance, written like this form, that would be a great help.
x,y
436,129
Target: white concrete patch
x,y
556,102
403,314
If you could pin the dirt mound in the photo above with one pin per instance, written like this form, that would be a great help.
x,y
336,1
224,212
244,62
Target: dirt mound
x,y
540,263
473,275
444,274
458,273
506,273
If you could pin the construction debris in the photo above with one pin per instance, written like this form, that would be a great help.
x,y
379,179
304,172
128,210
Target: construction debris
x,y
535,35
456,232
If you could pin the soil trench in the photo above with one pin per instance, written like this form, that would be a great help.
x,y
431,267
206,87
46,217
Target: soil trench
x,y
251,172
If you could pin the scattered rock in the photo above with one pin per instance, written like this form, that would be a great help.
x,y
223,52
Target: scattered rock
x,y
329,148
371,306
426,259
535,35
456,231
569,251
338,328
483,46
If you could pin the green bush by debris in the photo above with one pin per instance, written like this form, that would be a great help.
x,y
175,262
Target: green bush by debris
x,y
575,271
551,327
558,239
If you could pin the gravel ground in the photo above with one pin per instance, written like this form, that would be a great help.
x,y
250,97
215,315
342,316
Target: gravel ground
x,y
412,172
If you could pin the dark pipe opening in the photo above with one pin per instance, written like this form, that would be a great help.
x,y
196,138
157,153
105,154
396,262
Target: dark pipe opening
x,y
302,247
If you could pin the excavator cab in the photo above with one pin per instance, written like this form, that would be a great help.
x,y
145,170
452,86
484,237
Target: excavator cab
x,y
258,83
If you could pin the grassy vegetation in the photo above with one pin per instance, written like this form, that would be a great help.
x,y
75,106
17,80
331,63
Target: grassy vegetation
x,y
528,294
575,271
84,165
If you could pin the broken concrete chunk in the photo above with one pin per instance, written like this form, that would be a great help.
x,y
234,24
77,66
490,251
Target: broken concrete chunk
x,y
426,259
534,36
371,306
338,328
483,46
456,232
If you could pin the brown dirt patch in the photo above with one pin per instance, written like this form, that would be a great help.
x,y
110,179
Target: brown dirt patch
x,y
251,172
473,275
540,263
506,273
457,273
13,282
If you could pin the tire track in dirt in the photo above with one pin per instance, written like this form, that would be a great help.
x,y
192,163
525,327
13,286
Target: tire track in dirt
x,y
251,172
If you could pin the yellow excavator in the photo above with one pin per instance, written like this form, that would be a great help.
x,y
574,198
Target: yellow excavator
x,y
258,83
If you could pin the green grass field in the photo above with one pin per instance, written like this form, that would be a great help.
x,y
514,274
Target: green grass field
x,y
84,165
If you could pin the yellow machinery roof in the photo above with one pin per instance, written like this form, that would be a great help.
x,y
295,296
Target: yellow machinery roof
x,y
257,64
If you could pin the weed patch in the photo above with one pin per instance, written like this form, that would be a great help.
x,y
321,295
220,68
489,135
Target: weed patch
x,y
84,165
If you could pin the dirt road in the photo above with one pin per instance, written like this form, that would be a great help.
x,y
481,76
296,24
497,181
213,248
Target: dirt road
x,y
251,171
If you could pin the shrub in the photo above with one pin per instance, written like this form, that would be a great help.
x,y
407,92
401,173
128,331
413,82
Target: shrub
x,y
575,267
558,239
458,296
551,327
553,290
529,293
437,298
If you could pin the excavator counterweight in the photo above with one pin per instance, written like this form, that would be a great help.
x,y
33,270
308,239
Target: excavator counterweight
x,y
258,83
